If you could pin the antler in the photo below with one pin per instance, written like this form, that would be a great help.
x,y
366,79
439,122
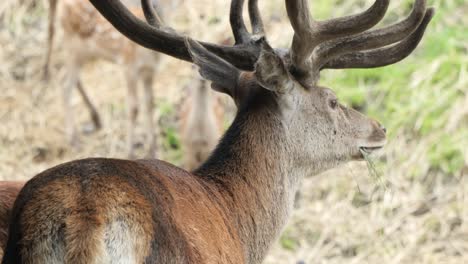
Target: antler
x,y
337,43
309,33
382,56
241,35
153,36
255,18
151,15
319,44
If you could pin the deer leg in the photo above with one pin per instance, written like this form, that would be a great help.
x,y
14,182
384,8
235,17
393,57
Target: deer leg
x,y
92,109
50,38
71,82
148,109
132,110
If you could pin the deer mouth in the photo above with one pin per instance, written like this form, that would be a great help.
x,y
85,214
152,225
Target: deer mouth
x,y
369,150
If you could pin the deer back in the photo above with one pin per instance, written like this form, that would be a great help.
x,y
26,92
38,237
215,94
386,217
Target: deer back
x,y
147,204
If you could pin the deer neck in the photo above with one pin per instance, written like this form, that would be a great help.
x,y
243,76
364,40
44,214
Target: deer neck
x,y
252,169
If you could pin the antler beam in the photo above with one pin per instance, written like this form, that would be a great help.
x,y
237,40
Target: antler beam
x,y
170,43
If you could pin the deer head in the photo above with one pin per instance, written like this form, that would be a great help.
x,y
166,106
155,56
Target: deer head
x,y
318,127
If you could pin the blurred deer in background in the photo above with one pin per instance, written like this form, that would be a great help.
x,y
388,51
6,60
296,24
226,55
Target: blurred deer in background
x,y
88,36
201,124
201,121
232,208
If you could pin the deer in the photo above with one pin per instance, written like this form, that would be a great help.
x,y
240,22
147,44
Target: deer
x,y
234,206
88,36
8,192
201,124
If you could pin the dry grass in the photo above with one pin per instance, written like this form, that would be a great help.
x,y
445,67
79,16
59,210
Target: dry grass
x,y
417,216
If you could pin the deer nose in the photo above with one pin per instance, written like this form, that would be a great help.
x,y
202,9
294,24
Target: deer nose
x,y
383,128
377,123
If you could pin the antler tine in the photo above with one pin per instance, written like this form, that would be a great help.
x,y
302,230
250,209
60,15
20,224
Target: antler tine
x,y
151,15
169,42
383,56
309,33
256,18
348,25
241,35
371,39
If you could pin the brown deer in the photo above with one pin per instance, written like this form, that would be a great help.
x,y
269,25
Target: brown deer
x,y
232,208
201,124
8,192
88,36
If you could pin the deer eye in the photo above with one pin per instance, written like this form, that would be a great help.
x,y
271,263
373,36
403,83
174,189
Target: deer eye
x,y
333,103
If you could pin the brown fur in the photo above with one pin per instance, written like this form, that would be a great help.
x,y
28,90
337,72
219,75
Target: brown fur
x,y
8,192
152,199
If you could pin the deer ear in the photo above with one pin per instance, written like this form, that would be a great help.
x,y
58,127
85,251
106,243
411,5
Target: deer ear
x,y
270,71
224,76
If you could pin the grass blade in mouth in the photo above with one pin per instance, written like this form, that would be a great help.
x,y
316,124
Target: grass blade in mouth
x,y
373,170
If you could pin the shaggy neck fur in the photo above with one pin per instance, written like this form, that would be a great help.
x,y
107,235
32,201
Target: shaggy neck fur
x,y
252,168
